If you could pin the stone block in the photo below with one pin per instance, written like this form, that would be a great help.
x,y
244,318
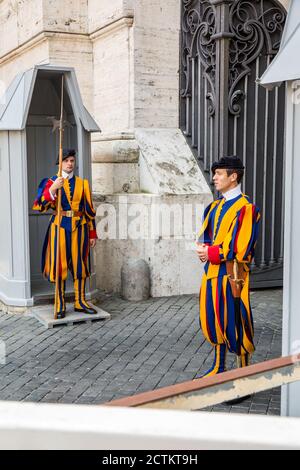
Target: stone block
x,y
113,79
135,280
44,315
112,178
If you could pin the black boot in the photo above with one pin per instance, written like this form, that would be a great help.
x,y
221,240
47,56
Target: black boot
x,y
61,315
61,306
81,304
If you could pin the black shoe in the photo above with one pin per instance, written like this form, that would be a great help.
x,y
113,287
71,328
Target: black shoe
x,y
237,401
87,310
61,315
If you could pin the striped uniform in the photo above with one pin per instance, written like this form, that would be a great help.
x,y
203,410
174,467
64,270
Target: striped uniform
x,y
75,233
230,229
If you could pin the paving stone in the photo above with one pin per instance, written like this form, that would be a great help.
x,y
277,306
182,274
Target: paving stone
x,y
145,345
45,316
236,409
260,407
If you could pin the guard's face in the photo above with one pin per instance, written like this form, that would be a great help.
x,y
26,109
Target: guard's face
x,y
68,165
223,182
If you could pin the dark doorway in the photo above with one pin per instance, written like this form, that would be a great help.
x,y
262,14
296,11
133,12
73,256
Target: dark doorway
x,y
42,150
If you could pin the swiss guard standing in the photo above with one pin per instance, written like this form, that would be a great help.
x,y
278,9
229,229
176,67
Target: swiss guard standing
x,y
77,232
226,244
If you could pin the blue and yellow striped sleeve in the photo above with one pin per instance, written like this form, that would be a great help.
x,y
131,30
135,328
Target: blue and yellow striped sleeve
x,y
43,202
241,240
89,210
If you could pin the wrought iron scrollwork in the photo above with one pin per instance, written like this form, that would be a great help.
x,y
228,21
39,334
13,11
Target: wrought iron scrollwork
x,y
255,26
198,27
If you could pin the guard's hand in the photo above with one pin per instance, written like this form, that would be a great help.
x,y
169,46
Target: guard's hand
x,y
202,251
93,243
58,184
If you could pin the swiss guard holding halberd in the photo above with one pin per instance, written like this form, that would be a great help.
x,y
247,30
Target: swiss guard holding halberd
x,y
226,244
77,232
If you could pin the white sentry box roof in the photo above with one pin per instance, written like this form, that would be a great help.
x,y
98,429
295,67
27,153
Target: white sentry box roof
x,y
286,65
15,103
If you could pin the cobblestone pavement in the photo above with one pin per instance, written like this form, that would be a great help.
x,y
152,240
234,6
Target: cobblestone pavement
x,y
144,346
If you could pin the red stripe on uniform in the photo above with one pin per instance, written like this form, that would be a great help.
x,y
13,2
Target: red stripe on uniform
x,y
218,305
240,219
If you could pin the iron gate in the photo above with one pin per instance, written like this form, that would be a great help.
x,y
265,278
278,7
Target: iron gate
x,y
226,45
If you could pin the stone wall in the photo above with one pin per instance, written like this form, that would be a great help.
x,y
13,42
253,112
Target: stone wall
x,y
136,88
43,31
69,16
156,61
20,21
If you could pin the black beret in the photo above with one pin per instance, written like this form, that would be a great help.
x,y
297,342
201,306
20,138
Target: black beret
x,y
229,163
66,154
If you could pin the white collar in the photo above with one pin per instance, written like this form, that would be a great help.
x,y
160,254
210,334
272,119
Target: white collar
x,y
67,176
232,193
